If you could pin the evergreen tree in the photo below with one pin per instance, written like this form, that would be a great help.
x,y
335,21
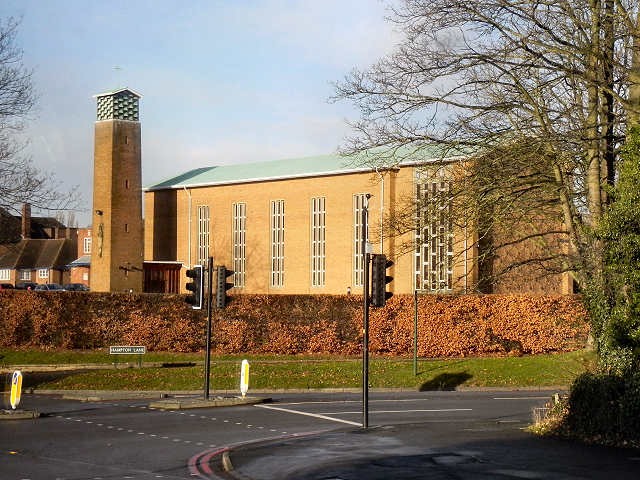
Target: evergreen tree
x,y
613,295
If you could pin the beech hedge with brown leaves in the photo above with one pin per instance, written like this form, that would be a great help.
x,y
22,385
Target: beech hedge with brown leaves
x,y
448,325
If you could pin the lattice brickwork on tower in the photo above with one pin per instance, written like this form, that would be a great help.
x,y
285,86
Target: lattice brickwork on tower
x,y
120,106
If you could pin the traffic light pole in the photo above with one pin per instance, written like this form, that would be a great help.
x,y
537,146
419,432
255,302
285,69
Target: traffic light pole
x,y
207,361
365,321
365,346
415,333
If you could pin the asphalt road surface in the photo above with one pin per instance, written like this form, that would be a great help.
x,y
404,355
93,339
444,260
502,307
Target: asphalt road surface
x,y
125,439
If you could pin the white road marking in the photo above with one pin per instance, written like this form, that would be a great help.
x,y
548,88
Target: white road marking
x,y
316,415
405,411
521,398
371,401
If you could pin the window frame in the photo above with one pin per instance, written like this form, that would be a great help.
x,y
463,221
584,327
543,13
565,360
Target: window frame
x,y
238,243
5,274
359,202
433,256
204,234
318,242
277,243
86,245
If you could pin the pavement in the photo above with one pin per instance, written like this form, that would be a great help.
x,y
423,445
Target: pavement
x,y
447,451
18,414
161,400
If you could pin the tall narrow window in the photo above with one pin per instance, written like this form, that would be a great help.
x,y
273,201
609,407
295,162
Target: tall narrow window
x,y
277,243
359,232
318,242
239,243
203,235
434,233
87,245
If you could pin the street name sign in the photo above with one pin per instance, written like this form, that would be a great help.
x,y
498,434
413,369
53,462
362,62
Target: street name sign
x,y
127,350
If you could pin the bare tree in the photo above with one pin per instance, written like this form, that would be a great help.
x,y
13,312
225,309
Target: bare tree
x,y
536,95
20,181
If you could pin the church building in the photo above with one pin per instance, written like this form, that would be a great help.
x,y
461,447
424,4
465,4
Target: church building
x,y
296,227
293,226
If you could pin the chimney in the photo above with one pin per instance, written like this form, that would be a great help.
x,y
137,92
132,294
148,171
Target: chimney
x,y
26,220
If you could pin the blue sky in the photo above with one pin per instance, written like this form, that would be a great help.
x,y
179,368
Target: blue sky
x,y
223,81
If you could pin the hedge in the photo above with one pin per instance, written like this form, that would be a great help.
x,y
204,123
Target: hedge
x,y
602,409
448,325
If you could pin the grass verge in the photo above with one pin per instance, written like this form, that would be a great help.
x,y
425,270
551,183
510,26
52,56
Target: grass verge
x,y
306,373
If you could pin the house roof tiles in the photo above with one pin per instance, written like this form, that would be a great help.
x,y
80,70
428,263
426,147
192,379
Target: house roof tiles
x,y
38,254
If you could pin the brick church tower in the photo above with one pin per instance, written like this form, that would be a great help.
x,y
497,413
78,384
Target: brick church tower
x,y
117,250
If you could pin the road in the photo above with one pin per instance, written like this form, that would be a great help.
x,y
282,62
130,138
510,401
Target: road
x,y
128,440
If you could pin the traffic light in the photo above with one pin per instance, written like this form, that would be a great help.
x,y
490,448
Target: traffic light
x,y
222,286
196,286
379,280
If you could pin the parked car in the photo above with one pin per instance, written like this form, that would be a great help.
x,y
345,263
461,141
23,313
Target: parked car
x,y
26,286
76,287
6,286
49,287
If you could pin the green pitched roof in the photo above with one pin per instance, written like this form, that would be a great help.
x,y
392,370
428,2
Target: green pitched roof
x,y
332,164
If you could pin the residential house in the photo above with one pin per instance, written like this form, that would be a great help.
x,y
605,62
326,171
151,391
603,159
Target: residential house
x,y
41,251
80,268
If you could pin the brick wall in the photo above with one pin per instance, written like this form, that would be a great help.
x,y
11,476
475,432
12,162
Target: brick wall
x,y
169,208
171,235
117,195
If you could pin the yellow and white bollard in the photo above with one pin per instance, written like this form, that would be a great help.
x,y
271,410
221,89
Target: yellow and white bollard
x,y
244,378
16,388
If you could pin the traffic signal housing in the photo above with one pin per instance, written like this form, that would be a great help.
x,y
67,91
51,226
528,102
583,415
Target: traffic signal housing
x,y
196,286
379,280
222,286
